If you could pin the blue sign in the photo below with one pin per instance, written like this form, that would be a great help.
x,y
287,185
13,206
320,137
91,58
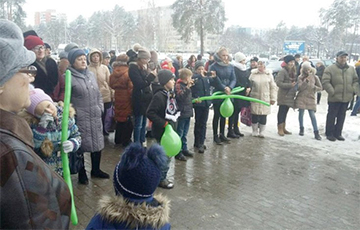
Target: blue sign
x,y
294,47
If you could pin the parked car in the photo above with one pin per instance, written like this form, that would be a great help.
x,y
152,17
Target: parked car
x,y
274,66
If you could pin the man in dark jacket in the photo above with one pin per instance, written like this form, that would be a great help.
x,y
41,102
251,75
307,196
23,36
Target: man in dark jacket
x,y
340,82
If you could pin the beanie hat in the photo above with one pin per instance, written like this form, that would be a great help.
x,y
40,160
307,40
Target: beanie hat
x,y
14,55
105,55
74,53
36,96
47,46
70,46
198,64
62,55
137,47
288,58
143,54
306,65
138,173
112,52
29,32
31,41
255,59
239,57
165,76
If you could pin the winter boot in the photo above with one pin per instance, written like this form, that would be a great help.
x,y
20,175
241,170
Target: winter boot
x,y
231,134
95,166
262,129
285,131
223,138
217,139
237,131
255,129
301,133
317,136
82,177
281,129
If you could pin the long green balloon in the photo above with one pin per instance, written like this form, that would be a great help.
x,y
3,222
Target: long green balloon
x,y
231,96
64,137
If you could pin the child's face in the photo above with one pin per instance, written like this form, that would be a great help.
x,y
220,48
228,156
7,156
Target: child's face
x,y
200,70
170,84
45,106
187,79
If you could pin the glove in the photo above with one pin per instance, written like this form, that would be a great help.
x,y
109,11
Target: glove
x,y
45,119
68,146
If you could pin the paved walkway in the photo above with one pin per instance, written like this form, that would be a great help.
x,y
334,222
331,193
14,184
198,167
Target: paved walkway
x,y
251,183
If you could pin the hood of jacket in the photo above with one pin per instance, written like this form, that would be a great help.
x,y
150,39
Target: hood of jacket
x,y
117,209
256,71
91,53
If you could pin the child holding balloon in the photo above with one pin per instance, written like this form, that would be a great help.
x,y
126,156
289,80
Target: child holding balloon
x,y
45,119
163,111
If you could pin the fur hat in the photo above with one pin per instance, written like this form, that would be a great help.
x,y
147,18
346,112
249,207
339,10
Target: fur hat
x,y
198,64
288,58
143,54
121,60
14,55
74,53
36,96
31,41
138,173
239,57
165,76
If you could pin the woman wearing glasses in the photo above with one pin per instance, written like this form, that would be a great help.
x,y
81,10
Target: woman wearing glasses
x,y
47,70
30,190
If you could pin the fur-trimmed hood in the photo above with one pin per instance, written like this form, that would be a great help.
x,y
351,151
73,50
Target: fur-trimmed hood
x,y
256,71
117,209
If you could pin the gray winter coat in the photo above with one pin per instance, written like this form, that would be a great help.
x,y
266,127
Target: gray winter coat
x,y
286,92
305,99
340,83
87,101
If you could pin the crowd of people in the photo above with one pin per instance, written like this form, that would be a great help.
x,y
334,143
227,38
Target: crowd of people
x,y
146,96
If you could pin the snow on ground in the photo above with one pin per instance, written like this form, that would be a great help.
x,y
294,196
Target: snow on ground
x,y
351,131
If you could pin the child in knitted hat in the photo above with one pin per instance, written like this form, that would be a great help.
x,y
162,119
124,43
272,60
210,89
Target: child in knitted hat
x,y
163,111
45,119
135,206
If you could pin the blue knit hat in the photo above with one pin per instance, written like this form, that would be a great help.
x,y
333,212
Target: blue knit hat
x,y
138,173
74,53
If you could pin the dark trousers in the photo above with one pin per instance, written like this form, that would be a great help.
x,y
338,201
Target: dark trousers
x,y
107,106
282,113
201,117
123,132
318,98
234,119
216,118
261,119
335,118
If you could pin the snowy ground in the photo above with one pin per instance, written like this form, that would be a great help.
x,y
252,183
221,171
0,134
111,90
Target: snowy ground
x,y
351,131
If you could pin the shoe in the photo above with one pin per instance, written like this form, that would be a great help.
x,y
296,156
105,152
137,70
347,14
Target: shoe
x,y
340,138
180,157
237,132
281,129
106,134
231,134
99,174
166,184
223,138
83,179
187,153
286,131
331,138
126,143
217,140
201,149
204,146
301,133
317,136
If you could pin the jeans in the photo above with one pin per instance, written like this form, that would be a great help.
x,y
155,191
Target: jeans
x,y
182,130
282,113
312,117
164,169
356,106
201,117
217,117
140,128
335,118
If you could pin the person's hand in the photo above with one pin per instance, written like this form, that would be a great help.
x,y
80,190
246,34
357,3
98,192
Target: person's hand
x,y
227,90
247,91
272,102
68,146
213,74
293,83
197,101
190,83
45,119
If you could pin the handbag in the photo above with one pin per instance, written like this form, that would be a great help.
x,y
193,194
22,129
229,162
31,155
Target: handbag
x,y
109,121
245,115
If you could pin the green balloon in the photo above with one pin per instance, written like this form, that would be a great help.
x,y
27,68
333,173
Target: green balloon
x,y
170,141
226,108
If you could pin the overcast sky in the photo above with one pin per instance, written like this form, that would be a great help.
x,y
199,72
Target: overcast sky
x,y
256,14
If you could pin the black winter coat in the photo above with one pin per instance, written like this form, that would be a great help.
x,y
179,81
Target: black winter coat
x,y
142,94
183,99
47,81
242,80
201,89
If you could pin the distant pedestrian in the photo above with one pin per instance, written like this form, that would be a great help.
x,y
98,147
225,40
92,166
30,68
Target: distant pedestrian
x,y
319,72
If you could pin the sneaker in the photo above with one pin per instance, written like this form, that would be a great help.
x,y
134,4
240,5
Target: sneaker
x,y
180,157
99,174
340,138
166,184
201,149
331,138
187,153
223,138
217,140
